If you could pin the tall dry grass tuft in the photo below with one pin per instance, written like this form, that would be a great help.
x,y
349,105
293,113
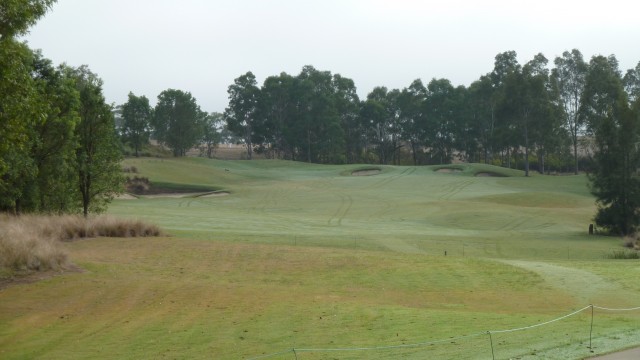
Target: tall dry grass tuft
x,y
25,247
33,242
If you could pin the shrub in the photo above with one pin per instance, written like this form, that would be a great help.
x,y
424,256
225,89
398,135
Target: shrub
x,y
33,243
25,247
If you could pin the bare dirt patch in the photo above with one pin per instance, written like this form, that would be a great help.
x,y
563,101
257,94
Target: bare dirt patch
x,y
366,172
33,277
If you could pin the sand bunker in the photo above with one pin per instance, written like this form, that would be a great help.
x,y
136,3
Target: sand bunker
x,y
126,196
448,170
367,172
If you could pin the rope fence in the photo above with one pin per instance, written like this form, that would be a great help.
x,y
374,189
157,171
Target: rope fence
x,y
295,353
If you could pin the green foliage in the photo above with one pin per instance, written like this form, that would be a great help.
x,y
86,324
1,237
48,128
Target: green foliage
x,y
97,155
568,79
211,136
240,115
20,109
136,116
16,16
58,150
177,121
614,182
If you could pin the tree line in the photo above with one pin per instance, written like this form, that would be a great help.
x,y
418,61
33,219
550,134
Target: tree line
x,y
525,113
59,150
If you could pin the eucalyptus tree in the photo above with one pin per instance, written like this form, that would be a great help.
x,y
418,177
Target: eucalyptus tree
x,y
136,125
569,76
97,154
616,132
504,74
411,104
481,107
347,106
276,103
631,83
177,121
603,91
211,135
379,116
442,113
544,128
240,115
320,136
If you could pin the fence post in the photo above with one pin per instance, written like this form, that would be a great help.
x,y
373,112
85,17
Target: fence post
x,y
493,356
294,353
591,329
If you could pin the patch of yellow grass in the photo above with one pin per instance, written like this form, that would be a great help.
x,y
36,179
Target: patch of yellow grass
x,y
33,242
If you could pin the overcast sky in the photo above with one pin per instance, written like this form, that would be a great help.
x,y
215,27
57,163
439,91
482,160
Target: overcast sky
x,y
200,46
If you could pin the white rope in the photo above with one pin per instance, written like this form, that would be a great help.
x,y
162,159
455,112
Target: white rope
x,y
445,340
270,355
541,324
610,309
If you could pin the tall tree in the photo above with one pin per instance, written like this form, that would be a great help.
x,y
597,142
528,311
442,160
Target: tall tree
x,y
276,104
347,105
20,109
177,121
631,82
506,69
54,188
569,75
211,137
614,181
240,115
443,108
482,114
136,116
317,126
97,155
378,116
412,116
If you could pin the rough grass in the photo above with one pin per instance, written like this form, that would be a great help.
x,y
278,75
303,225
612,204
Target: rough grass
x,y
194,299
33,242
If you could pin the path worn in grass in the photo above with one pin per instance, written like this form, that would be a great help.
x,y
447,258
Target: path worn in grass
x,y
586,287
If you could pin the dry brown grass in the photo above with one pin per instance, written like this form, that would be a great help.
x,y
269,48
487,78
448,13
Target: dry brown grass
x,y
33,242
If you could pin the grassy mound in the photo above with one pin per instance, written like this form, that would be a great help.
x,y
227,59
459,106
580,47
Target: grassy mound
x,y
480,170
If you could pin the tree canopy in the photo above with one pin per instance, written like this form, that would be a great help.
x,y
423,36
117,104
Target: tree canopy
x,y
177,121
58,151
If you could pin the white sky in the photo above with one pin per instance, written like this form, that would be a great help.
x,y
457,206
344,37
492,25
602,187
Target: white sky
x,y
200,46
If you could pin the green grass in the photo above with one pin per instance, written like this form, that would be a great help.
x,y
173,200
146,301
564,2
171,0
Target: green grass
x,y
309,256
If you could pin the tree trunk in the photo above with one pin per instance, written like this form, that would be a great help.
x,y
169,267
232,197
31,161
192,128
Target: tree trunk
x,y
575,155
